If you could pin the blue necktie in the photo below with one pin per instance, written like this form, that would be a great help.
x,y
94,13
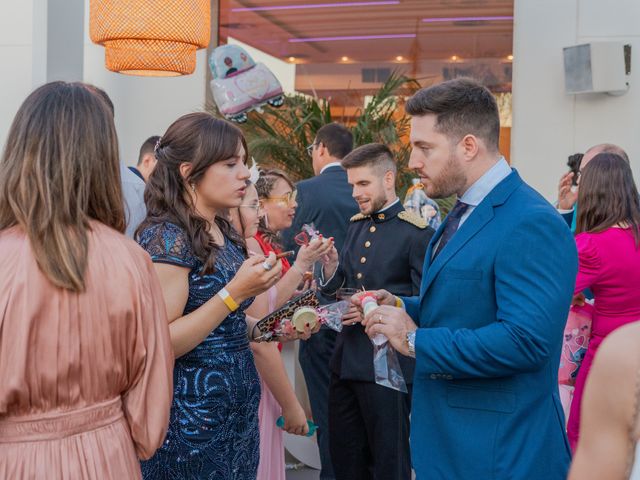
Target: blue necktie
x,y
453,222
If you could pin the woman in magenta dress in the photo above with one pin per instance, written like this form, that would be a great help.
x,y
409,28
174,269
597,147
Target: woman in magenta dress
x,y
608,237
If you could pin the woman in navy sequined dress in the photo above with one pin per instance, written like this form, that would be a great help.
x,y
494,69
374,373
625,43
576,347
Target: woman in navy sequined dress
x,y
213,429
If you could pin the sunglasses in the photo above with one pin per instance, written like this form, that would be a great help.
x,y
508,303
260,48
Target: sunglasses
x,y
286,200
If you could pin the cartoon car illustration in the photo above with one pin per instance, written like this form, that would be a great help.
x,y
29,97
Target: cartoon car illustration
x,y
240,85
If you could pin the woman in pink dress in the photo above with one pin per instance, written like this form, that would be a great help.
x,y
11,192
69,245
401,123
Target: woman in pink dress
x,y
278,397
85,355
608,238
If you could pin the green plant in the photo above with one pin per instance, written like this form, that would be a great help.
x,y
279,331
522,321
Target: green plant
x,y
279,137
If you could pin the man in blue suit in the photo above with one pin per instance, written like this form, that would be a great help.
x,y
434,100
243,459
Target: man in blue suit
x,y
486,329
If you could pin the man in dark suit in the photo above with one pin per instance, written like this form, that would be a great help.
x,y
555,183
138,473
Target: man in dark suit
x,y
486,329
324,200
384,248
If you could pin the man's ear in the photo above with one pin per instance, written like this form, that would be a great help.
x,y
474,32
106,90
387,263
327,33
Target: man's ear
x,y
389,179
470,146
148,160
322,150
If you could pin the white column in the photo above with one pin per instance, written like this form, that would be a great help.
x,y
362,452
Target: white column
x,y
549,125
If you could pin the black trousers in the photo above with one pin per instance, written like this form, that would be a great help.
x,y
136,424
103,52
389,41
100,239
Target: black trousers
x,y
368,431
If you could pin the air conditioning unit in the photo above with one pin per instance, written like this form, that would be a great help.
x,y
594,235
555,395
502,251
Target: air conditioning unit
x,y
597,67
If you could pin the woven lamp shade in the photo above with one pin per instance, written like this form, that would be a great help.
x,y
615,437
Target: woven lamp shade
x,y
151,37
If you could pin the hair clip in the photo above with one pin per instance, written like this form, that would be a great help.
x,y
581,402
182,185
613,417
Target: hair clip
x,y
254,172
157,146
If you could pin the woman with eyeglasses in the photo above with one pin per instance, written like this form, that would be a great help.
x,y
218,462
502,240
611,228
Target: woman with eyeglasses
x,y
276,207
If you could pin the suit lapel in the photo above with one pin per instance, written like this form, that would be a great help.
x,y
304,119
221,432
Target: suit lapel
x,y
480,216
477,220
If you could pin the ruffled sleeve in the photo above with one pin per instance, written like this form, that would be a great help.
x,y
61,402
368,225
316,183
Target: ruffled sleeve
x,y
589,266
168,243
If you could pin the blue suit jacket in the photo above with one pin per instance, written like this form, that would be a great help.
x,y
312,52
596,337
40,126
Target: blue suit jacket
x,y
491,314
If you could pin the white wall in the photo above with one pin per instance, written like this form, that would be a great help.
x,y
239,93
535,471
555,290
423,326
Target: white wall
x,y
549,125
16,58
144,106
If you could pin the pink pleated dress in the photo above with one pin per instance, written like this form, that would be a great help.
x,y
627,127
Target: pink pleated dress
x,y
85,379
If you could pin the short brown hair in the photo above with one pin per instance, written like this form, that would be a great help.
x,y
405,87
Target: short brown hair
x,y
59,170
336,138
608,196
462,107
376,155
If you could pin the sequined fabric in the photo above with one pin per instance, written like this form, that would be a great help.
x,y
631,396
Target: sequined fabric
x,y
213,430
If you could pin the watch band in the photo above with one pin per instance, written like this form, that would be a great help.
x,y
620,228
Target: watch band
x,y
411,343
228,300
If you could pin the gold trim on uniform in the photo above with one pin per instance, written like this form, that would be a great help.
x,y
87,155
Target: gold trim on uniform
x,y
413,219
357,217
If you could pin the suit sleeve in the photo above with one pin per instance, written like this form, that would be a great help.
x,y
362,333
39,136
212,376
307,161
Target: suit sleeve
x,y
568,217
533,288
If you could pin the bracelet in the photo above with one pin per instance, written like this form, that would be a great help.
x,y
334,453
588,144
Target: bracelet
x,y
228,300
398,302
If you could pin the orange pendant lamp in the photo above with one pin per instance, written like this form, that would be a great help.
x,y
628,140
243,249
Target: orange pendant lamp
x,y
151,37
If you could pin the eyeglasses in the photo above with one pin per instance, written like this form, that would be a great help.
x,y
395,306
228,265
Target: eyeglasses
x,y
286,200
310,148
257,207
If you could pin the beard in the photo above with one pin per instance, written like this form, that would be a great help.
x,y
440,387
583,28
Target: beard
x,y
450,181
375,204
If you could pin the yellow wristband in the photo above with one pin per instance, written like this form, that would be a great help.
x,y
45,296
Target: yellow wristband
x,y
398,302
228,300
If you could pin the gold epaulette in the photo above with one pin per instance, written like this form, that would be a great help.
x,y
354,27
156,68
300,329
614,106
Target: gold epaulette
x,y
357,217
413,219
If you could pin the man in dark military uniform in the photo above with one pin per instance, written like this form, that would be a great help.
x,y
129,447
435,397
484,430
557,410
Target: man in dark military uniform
x,y
384,248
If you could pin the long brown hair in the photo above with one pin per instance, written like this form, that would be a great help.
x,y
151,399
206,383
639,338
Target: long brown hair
x,y
59,170
201,140
265,184
608,196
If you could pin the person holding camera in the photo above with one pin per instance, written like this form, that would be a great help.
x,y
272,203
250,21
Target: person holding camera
x,y
568,186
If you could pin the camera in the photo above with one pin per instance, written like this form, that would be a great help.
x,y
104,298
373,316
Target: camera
x,y
574,166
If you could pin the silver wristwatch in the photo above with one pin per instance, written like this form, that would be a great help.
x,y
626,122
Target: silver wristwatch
x,y
411,342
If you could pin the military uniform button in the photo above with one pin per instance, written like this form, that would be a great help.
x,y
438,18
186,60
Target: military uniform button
x,y
381,216
372,229
367,244
363,259
359,276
